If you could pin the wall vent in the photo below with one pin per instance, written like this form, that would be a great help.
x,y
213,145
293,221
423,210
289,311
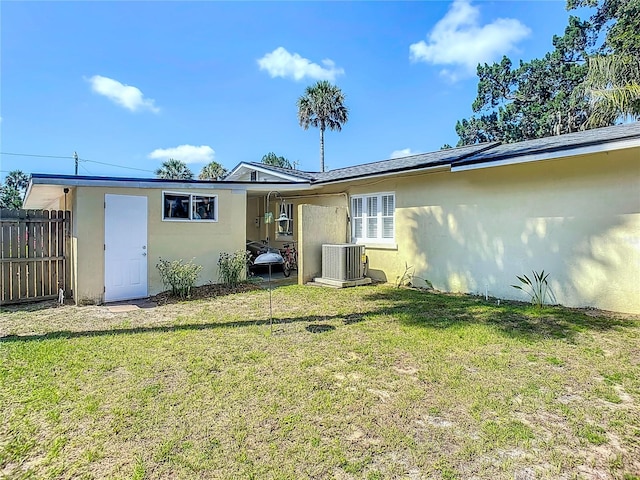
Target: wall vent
x,y
342,262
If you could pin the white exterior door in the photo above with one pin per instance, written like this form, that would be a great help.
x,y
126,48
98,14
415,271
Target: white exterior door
x,y
125,241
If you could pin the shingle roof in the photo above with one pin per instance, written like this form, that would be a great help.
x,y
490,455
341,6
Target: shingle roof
x,y
596,136
468,155
485,152
413,162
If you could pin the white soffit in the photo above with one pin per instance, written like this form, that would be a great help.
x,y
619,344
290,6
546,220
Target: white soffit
x,y
45,197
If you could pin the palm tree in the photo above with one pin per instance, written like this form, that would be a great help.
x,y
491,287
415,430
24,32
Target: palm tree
x,y
613,87
17,179
212,171
174,170
322,106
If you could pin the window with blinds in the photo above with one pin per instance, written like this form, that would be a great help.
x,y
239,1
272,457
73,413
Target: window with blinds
x,y
372,218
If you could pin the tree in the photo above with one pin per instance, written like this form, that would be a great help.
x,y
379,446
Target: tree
x,y
612,84
619,20
212,171
174,170
10,198
534,99
18,180
12,192
446,146
322,106
273,159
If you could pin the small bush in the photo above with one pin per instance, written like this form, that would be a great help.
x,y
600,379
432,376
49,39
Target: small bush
x,y
181,277
538,289
407,279
233,267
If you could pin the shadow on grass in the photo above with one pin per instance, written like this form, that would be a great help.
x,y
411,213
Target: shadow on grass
x,y
313,328
515,319
415,308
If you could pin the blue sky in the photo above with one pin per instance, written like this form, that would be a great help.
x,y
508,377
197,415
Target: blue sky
x,y
134,83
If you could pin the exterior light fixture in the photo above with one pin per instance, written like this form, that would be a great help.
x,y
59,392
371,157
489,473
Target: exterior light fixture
x,y
283,222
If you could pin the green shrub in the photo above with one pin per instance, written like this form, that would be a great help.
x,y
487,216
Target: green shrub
x,y
233,267
181,277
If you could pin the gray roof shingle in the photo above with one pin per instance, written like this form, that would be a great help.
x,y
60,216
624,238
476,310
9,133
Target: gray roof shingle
x,y
596,136
468,155
413,162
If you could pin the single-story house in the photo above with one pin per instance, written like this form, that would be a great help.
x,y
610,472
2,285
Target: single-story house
x,y
466,219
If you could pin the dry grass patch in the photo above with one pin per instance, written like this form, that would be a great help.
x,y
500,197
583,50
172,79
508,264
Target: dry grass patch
x,y
372,382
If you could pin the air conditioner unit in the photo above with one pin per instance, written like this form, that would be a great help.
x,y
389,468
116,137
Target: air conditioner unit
x,y
342,262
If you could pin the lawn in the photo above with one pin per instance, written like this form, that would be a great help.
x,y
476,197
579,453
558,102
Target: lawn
x,y
368,383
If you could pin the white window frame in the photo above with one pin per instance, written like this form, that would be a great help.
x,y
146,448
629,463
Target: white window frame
x,y
365,219
191,218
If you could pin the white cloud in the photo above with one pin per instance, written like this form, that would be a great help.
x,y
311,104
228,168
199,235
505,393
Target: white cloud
x,y
281,63
405,152
459,40
126,96
186,153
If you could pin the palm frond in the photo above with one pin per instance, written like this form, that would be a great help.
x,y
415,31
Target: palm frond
x,y
613,88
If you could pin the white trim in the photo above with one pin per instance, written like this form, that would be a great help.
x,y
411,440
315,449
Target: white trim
x,y
378,246
250,167
265,187
552,155
137,184
190,220
379,239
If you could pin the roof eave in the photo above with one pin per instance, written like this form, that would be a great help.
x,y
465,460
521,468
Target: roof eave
x,y
266,169
546,154
390,173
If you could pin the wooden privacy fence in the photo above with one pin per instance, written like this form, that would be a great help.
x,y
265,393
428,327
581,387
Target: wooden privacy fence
x,y
34,246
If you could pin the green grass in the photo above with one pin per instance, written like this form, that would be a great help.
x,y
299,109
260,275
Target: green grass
x,y
367,383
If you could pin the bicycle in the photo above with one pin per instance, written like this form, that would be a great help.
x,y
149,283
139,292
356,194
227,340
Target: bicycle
x,y
290,255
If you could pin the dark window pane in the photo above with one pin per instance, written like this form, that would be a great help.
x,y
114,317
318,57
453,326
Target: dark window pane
x,y
176,206
204,208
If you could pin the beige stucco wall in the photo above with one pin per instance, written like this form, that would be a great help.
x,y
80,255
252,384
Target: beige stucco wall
x,y
168,240
578,218
319,225
256,208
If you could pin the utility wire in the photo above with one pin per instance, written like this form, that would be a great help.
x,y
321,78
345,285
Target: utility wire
x,y
31,155
79,159
114,165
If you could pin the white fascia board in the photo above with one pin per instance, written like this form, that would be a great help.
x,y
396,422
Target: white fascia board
x,y
27,191
537,157
135,184
266,187
284,176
